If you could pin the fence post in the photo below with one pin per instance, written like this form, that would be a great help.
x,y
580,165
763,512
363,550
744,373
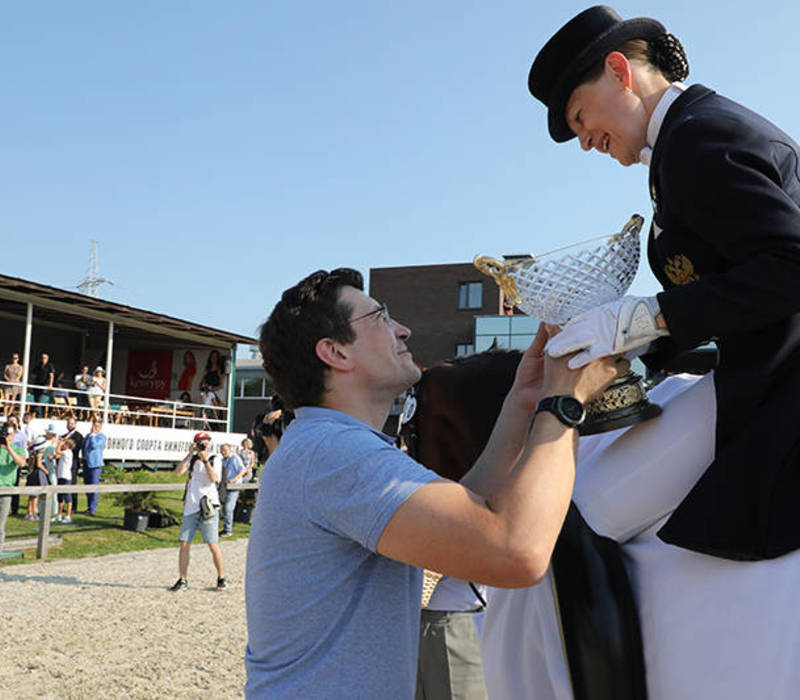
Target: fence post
x,y
44,525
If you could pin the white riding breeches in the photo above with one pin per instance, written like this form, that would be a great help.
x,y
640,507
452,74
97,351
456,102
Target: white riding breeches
x,y
712,629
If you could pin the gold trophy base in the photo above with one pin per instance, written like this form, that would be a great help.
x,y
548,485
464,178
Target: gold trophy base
x,y
624,403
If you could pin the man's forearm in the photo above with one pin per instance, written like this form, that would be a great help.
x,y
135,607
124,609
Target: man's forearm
x,y
533,499
212,473
183,465
238,476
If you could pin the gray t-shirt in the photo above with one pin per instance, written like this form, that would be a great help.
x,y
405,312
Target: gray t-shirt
x,y
327,617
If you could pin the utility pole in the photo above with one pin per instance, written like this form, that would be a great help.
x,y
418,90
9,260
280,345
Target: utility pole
x,y
90,284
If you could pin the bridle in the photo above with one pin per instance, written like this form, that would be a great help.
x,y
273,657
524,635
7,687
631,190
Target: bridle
x,y
407,422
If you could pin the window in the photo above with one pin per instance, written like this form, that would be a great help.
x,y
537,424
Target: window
x,y
470,295
515,332
464,349
253,387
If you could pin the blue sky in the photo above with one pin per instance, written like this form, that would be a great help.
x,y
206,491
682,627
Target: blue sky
x,y
220,151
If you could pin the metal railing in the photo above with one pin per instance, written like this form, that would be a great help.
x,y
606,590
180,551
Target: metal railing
x,y
123,408
51,492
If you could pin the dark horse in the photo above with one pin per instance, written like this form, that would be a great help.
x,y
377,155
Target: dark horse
x,y
457,405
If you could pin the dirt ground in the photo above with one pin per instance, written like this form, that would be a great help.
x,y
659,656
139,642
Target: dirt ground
x,y
107,627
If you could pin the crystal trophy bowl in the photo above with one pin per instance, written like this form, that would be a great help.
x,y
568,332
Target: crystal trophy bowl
x,y
564,283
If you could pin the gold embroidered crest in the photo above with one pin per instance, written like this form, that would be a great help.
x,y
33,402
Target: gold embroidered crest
x,y
680,270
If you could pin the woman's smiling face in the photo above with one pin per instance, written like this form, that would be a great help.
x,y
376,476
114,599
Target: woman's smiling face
x,y
607,115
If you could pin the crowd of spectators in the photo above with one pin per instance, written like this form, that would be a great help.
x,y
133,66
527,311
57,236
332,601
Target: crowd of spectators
x,y
46,381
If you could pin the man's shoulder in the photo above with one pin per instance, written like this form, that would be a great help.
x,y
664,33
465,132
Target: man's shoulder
x,y
337,436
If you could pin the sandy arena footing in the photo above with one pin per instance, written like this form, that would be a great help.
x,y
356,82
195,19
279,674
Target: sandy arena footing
x,y
107,627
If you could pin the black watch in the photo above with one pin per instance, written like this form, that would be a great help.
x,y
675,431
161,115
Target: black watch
x,y
567,409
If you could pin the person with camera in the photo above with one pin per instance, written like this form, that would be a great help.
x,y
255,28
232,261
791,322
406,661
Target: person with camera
x,y
200,508
12,457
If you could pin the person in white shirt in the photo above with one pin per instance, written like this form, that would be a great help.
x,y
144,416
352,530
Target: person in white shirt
x,y
200,508
64,466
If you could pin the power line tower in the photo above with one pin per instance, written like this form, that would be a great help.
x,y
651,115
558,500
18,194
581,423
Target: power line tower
x,y
90,284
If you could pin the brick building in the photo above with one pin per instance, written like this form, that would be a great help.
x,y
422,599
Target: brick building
x,y
439,303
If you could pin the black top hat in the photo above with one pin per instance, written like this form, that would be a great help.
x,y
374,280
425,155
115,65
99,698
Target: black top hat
x,y
573,50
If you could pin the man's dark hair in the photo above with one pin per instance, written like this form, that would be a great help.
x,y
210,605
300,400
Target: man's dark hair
x,y
307,312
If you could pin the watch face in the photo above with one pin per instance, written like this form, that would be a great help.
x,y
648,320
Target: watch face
x,y
571,408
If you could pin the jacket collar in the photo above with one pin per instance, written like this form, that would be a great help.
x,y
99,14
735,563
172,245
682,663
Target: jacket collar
x,y
686,98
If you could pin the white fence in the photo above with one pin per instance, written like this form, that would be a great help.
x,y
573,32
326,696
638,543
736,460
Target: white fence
x,y
50,493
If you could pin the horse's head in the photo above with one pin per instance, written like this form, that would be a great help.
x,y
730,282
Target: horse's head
x,y
458,402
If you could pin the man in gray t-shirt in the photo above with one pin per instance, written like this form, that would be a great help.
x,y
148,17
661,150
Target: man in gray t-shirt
x,y
344,519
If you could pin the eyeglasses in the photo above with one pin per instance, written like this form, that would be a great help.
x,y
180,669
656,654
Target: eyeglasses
x,y
382,311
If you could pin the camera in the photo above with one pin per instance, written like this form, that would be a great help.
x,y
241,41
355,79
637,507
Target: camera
x,y
3,433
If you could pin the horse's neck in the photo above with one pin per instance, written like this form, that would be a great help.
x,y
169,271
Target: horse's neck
x,y
458,407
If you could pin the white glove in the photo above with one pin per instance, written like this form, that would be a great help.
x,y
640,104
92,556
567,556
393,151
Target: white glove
x,y
628,324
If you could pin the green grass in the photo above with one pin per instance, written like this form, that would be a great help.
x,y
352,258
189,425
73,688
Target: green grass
x,y
90,536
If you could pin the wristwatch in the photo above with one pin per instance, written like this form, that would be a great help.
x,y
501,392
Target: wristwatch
x,y
567,409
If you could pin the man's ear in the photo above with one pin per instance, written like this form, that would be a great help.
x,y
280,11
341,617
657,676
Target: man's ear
x,y
333,354
619,69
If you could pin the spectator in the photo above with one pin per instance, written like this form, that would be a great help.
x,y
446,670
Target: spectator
x,y
42,377
19,440
19,436
200,508
60,391
234,472
76,437
29,436
47,463
37,475
268,428
97,388
93,445
64,474
12,376
83,380
449,664
184,404
248,457
12,457
27,428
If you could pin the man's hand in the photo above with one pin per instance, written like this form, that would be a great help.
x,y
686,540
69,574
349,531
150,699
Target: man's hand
x,y
584,383
530,373
618,327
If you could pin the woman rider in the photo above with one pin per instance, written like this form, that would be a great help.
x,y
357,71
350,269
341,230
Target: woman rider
x,y
717,578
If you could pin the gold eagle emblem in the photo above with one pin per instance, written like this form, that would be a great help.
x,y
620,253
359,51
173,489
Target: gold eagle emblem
x,y
680,270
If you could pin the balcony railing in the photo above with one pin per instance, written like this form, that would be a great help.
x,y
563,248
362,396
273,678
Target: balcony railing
x,y
57,403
